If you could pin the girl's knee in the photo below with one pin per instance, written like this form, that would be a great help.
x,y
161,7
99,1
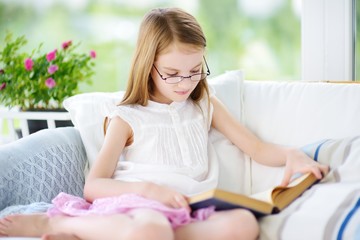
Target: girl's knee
x,y
151,231
240,224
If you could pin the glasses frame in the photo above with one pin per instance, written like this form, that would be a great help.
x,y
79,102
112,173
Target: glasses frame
x,y
183,77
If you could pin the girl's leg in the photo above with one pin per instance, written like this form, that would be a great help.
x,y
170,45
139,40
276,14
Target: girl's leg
x,y
150,224
141,224
59,237
23,225
87,227
232,224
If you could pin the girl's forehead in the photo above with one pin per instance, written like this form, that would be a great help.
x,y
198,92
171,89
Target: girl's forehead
x,y
180,56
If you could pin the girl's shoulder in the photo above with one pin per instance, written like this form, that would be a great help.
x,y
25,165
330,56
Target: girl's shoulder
x,y
135,113
123,111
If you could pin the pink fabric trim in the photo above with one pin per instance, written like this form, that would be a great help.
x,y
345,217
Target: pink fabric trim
x,y
69,205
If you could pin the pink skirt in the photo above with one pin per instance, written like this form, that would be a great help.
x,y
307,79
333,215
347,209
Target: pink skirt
x,y
69,205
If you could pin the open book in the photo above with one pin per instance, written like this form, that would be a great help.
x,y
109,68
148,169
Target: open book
x,y
263,203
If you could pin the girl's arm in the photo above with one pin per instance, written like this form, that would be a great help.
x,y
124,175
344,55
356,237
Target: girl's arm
x,y
262,152
99,182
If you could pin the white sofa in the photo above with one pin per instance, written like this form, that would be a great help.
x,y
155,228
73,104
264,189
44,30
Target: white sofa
x,y
321,118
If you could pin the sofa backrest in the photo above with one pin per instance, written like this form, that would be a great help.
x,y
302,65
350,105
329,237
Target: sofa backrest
x,y
297,114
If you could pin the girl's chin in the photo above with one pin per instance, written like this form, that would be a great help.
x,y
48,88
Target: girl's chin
x,y
181,98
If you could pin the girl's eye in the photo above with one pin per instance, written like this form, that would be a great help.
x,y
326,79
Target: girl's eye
x,y
196,71
171,74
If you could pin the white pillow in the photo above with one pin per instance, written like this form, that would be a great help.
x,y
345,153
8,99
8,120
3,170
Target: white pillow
x,y
234,172
229,89
88,110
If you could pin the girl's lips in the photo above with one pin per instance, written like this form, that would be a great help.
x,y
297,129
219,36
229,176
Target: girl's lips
x,y
182,92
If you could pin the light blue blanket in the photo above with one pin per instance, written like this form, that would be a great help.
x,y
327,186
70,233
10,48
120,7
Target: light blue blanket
x,y
330,209
38,207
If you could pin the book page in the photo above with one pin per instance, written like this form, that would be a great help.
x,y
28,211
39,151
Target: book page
x,y
284,196
267,195
263,196
297,178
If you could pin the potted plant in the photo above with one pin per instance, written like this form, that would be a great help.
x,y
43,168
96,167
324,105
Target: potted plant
x,y
40,81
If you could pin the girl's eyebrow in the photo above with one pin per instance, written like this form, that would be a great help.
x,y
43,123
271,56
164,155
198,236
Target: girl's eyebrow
x,y
177,70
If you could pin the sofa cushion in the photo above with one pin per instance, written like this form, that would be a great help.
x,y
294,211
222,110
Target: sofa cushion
x,y
38,167
87,112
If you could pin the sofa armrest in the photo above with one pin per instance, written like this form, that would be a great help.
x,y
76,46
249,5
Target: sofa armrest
x,y
38,167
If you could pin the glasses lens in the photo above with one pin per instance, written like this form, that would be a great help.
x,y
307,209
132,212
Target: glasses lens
x,y
195,78
175,79
198,77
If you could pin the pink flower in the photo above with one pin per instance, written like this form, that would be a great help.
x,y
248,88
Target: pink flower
x,y
2,86
66,44
50,82
28,64
92,54
51,55
52,69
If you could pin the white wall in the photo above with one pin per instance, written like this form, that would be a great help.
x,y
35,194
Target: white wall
x,y
327,41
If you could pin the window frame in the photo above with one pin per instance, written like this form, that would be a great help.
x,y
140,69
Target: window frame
x,y
328,40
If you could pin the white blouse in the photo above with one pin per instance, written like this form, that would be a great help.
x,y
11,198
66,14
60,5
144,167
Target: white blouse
x,y
170,146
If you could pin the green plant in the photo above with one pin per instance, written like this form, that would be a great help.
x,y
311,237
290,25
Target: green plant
x,y
41,80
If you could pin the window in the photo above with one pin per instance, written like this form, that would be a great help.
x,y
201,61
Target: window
x,y
263,38
328,40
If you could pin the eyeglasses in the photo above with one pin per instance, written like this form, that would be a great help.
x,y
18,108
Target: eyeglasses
x,y
194,77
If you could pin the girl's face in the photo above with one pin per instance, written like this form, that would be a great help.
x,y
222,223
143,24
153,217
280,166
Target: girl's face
x,y
178,61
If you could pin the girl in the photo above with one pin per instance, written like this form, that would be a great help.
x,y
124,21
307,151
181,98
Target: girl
x,y
161,131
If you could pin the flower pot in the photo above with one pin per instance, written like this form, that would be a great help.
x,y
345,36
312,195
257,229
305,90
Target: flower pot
x,y
37,125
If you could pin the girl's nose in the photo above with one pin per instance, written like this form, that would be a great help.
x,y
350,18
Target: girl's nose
x,y
186,83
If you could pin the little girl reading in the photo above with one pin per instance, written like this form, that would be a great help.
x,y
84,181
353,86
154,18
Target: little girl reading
x,y
156,153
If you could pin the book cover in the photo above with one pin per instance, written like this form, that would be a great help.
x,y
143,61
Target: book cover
x,y
264,203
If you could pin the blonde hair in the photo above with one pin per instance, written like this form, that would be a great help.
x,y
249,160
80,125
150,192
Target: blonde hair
x,y
159,29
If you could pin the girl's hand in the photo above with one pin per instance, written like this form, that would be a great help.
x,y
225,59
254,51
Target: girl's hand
x,y
298,162
167,196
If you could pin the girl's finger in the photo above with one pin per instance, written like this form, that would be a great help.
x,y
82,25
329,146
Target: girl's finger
x,y
286,179
317,172
181,200
324,169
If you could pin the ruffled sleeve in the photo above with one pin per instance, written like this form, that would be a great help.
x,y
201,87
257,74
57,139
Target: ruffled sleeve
x,y
126,113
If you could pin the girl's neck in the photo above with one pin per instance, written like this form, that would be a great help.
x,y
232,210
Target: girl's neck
x,y
158,100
